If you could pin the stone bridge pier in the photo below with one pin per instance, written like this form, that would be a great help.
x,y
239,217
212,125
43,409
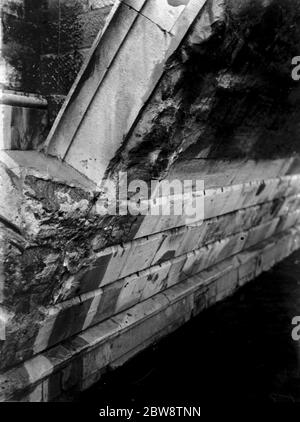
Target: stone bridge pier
x,y
171,93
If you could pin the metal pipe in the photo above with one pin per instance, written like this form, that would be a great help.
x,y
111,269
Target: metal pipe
x,y
19,99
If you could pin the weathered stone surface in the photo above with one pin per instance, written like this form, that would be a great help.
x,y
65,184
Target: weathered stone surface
x,y
50,326
118,104
20,49
145,70
58,71
79,207
79,360
72,30
13,7
114,263
233,107
19,31
21,69
65,267
216,173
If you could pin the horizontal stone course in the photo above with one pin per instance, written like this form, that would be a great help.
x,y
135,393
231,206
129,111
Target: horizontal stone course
x,y
222,172
75,315
50,197
121,261
47,203
79,360
223,200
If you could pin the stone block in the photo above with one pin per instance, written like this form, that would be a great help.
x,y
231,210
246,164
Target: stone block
x,y
71,375
205,257
66,319
227,284
91,379
288,221
262,232
143,285
247,271
94,362
291,203
147,328
201,258
34,396
52,387
108,303
200,300
176,273
105,270
185,289
229,246
169,245
141,255
162,13
192,239
268,256
157,280
131,292
220,202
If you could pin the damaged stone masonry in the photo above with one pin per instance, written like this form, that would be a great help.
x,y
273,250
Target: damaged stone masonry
x,y
200,90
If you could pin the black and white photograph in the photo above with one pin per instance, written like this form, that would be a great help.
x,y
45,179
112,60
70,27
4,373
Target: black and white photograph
x,y
149,209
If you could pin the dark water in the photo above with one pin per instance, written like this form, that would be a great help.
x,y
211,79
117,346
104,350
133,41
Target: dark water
x,y
239,350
